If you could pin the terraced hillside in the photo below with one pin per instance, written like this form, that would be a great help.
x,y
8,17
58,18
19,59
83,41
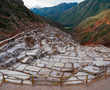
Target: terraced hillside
x,y
48,56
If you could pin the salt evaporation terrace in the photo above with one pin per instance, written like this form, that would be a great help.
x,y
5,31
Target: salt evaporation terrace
x,y
54,58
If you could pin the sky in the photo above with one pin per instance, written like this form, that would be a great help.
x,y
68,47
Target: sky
x,y
46,3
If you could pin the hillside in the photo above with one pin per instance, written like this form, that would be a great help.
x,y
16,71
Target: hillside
x,y
15,18
54,12
40,53
95,30
87,8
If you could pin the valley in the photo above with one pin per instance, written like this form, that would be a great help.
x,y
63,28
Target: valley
x,y
88,21
64,45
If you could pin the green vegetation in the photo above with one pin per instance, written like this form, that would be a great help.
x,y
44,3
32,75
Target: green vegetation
x,y
84,10
72,14
87,37
55,12
68,29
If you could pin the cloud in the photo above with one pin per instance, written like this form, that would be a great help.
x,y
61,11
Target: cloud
x,y
46,3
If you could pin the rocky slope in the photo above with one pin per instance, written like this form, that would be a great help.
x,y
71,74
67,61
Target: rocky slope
x,y
15,18
95,30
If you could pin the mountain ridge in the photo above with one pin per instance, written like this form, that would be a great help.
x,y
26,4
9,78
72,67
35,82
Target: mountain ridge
x,y
85,9
76,13
55,11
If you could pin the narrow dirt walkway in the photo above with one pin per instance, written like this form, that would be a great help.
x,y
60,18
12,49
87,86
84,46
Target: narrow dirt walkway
x,y
99,85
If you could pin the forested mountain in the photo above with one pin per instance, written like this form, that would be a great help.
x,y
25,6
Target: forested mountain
x,y
84,10
54,13
72,14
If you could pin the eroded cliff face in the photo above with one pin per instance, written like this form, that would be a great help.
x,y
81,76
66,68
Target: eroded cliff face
x,y
15,18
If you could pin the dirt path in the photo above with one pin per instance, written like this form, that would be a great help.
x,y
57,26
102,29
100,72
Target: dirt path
x,y
99,85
